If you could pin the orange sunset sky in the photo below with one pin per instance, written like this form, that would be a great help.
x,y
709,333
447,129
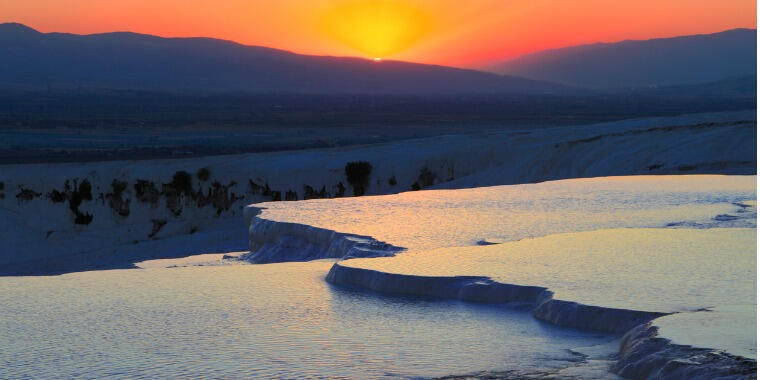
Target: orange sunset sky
x,y
449,32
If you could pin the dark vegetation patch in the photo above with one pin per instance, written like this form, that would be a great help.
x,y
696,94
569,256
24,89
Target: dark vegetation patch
x,y
310,193
357,174
116,200
425,179
254,188
2,190
83,192
180,185
654,167
56,196
392,181
218,196
26,195
75,193
203,174
291,195
146,192
340,190
178,192
264,191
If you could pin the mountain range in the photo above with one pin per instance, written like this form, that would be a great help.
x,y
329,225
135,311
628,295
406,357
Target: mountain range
x,y
123,60
30,60
658,62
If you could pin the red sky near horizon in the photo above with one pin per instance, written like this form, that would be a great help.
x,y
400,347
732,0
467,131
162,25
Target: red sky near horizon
x,y
449,32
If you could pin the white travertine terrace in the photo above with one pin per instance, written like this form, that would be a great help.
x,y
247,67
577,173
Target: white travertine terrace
x,y
610,254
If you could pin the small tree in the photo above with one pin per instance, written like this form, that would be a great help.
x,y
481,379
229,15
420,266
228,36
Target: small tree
x,y
182,182
357,174
203,174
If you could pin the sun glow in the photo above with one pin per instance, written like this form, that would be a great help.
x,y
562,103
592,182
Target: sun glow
x,y
376,28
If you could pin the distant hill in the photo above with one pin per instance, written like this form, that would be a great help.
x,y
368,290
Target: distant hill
x,y
659,62
33,60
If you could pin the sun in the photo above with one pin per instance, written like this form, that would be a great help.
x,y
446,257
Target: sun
x,y
376,28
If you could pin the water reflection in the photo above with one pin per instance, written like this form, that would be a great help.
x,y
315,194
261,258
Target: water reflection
x,y
243,321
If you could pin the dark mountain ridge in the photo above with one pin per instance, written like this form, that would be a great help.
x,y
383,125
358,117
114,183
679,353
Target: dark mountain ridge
x,y
123,60
658,62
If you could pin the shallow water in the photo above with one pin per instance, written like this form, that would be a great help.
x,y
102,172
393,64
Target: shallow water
x,y
254,321
697,251
707,276
650,269
447,218
285,321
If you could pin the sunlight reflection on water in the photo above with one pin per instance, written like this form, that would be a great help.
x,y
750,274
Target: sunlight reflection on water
x,y
284,321
246,321
447,218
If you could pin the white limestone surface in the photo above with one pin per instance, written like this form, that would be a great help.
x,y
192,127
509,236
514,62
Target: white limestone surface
x,y
682,271
447,218
656,244
129,203
725,327
649,269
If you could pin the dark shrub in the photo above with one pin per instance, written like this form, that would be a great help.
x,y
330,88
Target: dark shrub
x,y
118,187
203,174
56,196
26,194
425,179
341,190
182,183
357,174
291,195
78,193
115,199
310,193
146,191
82,193
255,188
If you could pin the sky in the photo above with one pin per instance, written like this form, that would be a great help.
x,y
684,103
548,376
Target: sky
x,y
469,33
